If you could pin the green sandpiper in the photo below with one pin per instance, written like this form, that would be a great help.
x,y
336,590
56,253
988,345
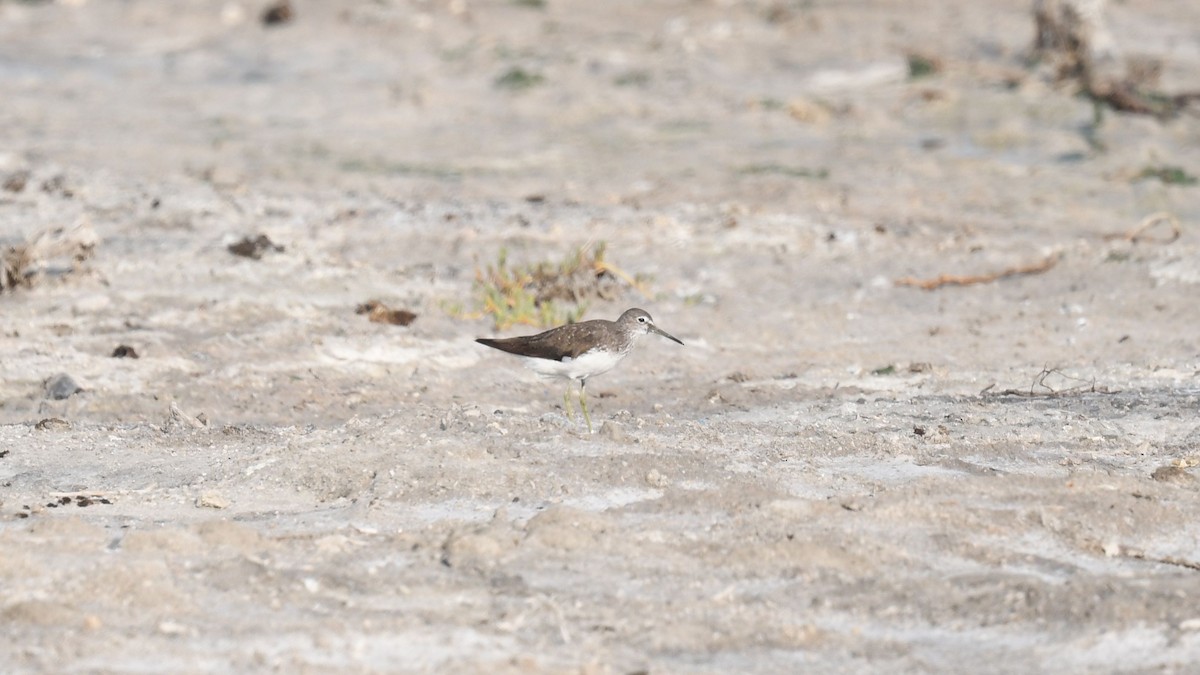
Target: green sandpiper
x,y
578,351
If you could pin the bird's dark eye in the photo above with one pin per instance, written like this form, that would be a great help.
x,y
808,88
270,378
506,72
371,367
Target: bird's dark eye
x,y
641,319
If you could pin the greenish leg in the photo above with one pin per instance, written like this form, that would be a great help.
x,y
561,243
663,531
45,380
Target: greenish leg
x,y
583,404
567,402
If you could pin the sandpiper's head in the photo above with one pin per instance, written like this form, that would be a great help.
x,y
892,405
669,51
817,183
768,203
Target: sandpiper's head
x,y
639,322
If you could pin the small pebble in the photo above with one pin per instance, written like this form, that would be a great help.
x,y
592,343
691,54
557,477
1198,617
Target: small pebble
x,y
656,479
212,500
51,423
125,352
1173,474
613,431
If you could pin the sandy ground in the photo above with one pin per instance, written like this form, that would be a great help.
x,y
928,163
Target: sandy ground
x,y
835,474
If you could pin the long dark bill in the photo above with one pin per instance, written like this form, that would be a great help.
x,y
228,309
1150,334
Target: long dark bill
x,y
664,333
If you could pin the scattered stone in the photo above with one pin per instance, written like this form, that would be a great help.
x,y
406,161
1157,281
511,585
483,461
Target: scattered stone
x,y
613,432
61,387
16,181
255,248
656,479
1173,474
52,424
212,500
176,418
278,13
125,352
378,312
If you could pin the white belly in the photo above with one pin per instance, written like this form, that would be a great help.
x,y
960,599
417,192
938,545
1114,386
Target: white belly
x,y
587,365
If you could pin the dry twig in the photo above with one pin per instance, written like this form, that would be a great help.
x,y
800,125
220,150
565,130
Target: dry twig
x,y
1138,554
1039,387
1138,233
967,280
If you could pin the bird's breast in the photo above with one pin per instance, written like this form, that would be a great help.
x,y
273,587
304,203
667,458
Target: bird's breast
x,y
588,364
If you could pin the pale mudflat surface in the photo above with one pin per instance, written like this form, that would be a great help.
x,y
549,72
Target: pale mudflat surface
x,y
770,498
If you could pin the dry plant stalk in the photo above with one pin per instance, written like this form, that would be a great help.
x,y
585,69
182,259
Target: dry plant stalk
x,y
1073,35
1138,233
1040,388
967,280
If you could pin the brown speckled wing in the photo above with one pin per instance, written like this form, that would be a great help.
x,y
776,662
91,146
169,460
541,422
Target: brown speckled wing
x,y
555,344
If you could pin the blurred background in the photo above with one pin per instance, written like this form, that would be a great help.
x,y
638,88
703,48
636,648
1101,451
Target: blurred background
x,y
861,109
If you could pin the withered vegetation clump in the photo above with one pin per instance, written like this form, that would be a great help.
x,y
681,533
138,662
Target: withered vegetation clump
x,y
546,293
51,251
